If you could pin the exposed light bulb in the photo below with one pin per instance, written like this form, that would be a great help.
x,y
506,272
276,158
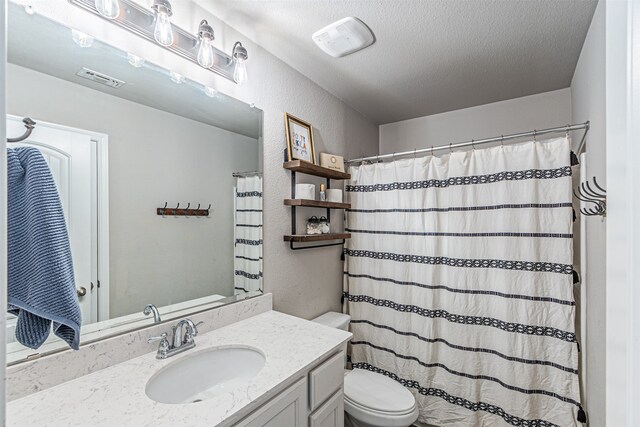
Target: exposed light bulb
x,y
205,49
211,92
240,72
162,32
29,9
135,60
108,8
81,39
205,53
176,77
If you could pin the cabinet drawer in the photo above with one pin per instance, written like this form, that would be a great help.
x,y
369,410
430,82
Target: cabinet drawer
x,y
330,414
326,379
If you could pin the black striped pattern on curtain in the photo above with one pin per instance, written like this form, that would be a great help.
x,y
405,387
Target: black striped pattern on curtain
x,y
458,278
248,234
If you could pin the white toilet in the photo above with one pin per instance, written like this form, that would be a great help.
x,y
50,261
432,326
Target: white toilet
x,y
371,399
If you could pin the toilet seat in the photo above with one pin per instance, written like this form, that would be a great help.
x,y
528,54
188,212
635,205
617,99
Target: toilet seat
x,y
378,400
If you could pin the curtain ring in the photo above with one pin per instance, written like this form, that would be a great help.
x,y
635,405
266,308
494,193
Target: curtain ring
x,y
473,146
450,150
414,152
502,141
393,156
566,134
432,151
535,132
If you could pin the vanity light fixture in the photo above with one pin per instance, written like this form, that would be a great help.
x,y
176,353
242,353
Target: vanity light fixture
x,y
176,77
81,39
162,31
110,9
205,49
240,56
154,24
135,60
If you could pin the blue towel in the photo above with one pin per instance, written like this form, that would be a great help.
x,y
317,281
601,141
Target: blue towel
x,y
41,284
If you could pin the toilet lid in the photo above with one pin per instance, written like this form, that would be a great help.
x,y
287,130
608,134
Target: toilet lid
x,y
377,392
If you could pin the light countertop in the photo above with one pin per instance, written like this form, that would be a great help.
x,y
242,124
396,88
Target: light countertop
x,y
116,395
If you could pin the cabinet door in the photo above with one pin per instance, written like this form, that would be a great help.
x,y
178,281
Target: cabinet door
x,y
331,414
288,409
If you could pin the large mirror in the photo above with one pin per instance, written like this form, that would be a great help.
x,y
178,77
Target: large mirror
x,y
159,179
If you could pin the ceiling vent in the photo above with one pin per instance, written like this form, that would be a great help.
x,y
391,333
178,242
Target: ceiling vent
x,y
97,77
344,37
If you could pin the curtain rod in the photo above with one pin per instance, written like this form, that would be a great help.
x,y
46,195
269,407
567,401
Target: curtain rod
x,y
245,174
473,143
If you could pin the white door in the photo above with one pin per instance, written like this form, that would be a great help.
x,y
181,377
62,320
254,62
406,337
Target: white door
x,y
71,155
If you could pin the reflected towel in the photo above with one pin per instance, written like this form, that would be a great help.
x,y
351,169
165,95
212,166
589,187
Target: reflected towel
x,y
40,275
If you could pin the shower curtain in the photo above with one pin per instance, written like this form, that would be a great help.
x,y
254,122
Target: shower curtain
x,y
458,278
248,235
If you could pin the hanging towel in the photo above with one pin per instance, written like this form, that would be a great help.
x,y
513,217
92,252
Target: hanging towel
x,y
40,274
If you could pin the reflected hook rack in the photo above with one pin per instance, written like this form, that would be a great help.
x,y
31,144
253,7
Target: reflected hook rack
x,y
188,211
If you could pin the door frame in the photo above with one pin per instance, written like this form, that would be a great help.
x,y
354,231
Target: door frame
x,y
102,183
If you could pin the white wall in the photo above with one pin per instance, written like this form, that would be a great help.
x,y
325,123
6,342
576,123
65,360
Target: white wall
x,y
588,103
622,384
304,283
538,111
154,156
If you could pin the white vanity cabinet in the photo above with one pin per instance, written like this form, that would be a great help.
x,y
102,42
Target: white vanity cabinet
x,y
289,408
316,400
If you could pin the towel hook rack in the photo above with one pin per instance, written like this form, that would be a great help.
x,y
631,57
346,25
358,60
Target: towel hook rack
x,y
598,197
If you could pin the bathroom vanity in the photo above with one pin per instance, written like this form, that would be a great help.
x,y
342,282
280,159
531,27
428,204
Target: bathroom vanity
x,y
299,384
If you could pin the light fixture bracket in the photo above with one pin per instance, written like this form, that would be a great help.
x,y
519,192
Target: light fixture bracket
x,y
239,51
205,31
140,21
162,6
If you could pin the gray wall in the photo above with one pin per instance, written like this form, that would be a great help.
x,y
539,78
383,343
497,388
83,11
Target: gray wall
x,y
588,103
538,111
303,283
154,157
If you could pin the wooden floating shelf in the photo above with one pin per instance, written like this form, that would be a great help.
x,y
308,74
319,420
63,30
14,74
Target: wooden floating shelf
x,y
316,204
315,170
316,237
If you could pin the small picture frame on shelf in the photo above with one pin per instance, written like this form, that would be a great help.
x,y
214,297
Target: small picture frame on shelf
x,y
299,139
332,161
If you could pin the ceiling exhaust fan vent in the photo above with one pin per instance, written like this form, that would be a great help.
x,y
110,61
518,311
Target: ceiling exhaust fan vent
x,y
344,37
97,77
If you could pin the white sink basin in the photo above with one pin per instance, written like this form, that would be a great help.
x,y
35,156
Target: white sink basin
x,y
205,374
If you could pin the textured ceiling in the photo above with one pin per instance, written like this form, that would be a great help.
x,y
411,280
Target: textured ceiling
x,y
430,56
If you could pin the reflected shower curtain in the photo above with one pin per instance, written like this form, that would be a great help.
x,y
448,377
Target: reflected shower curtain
x,y
248,235
458,280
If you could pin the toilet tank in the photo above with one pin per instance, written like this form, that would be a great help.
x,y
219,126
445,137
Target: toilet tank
x,y
336,320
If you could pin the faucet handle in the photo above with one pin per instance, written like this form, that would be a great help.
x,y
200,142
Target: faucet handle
x,y
162,336
195,328
192,331
163,348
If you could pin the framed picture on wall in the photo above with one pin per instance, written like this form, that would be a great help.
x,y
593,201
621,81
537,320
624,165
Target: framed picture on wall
x,y
299,139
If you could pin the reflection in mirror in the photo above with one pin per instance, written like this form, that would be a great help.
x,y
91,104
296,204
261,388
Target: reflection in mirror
x,y
159,180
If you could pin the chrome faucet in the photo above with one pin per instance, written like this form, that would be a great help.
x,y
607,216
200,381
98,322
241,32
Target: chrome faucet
x,y
180,342
150,308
